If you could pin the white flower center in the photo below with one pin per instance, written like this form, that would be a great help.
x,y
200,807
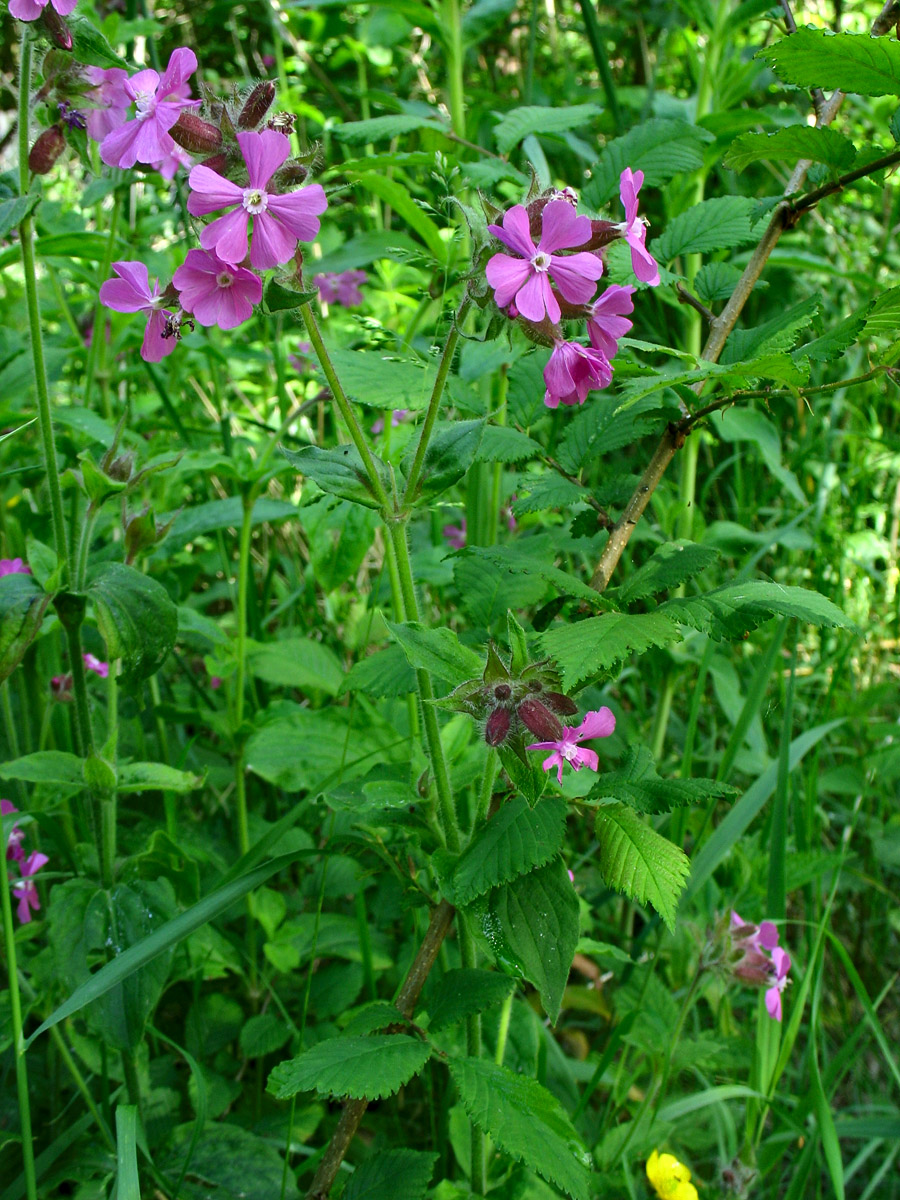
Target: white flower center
x,y
146,105
255,200
541,262
570,751
224,279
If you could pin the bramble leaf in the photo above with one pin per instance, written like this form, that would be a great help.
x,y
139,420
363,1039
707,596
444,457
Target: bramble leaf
x,y
853,62
360,1067
514,841
640,862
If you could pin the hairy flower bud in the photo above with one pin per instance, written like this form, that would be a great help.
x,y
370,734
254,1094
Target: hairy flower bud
x,y
503,691
257,105
218,163
195,134
56,27
497,728
562,705
540,720
291,174
46,150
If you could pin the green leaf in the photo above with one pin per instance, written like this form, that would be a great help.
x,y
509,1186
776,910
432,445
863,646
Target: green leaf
x,y
379,382
89,46
215,515
299,662
15,210
529,560
532,922
56,767
831,345
521,122
386,674
340,535
716,281
391,1175
797,141
669,565
263,1034
717,224
227,1162
602,427
128,1185
584,649
463,992
368,247
451,451
547,492
279,297
659,147
377,129
339,471
367,1068
852,62
402,202
750,425
153,777
437,651
728,612
22,608
637,860
488,591
526,1121
503,444
637,784
778,333
137,620
884,315
517,839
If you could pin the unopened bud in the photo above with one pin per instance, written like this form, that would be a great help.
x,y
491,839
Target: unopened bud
x,y
61,688
562,705
121,468
56,27
503,691
540,720
497,728
292,173
46,150
195,134
257,105
217,163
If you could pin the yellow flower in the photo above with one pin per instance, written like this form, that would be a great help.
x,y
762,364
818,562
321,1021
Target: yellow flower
x,y
670,1178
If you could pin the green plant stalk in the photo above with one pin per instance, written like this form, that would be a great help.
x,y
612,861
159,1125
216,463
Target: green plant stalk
x,y
503,1029
98,328
81,1085
15,1004
469,957
486,791
456,53
12,737
108,804
84,545
249,500
592,29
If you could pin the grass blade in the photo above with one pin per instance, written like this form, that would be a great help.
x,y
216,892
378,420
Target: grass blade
x,y
128,1186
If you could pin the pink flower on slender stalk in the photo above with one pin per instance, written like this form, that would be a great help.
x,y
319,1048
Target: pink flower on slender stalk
x,y
169,166
642,261
781,964
216,292
341,288
111,100
131,293
455,535
159,102
279,221
13,566
597,724
94,664
606,320
525,280
25,888
572,372
30,10
14,851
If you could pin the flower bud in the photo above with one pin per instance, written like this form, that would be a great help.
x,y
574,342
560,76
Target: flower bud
x,y
497,728
121,468
218,162
61,688
502,691
257,105
562,705
56,27
46,150
540,720
195,134
291,174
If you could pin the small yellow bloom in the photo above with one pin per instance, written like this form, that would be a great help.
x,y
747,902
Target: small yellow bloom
x,y
670,1178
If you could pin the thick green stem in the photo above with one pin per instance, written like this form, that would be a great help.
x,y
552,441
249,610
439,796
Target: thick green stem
x,y
455,60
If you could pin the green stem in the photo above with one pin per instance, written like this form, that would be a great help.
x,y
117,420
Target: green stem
x,y
503,1029
12,738
98,329
109,803
592,29
455,60
240,782
469,957
486,791
79,1082
84,545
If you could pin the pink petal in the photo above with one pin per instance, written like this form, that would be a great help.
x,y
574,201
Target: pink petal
x,y
168,112
558,371
536,298
182,64
768,935
117,145
515,232
272,243
227,236
643,263
299,211
630,183
506,276
613,303
561,228
34,862
782,962
773,1003
26,10
146,81
576,276
210,192
597,724
22,910
129,293
155,347
64,7
263,153
585,757
554,760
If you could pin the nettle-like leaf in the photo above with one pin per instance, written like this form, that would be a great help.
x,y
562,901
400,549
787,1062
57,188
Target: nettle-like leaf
x,y
728,612
716,281
660,148
547,492
717,224
463,992
437,651
778,333
22,608
603,427
521,122
640,862
386,674
514,841
531,559
503,444
487,591
669,566
826,146
637,784
831,345
884,315
339,472
376,381
138,620
853,62
585,649
526,1121
378,129
450,453
364,1068
391,1175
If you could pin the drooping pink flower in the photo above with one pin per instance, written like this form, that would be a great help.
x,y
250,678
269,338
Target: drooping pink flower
x,y
14,851
572,372
131,293
279,221
13,566
159,102
177,158
30,10
25,888
781,963
762,937
642,261
525,280
455,535
94,664
397,417
341,288
216,292
597,724
111,99
606,319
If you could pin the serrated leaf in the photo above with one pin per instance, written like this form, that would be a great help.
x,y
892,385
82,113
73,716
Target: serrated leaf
x,y
637,860
778,333
367,1068
526,561
637,784
450,453
463,992
546,492
488,591
377,129
604,426
391,1175
22,608
797,141
728,612
503,444
263,1034
716,281
716,224
137,619
373,1018
831,345
659,147
669,565
89,46
530,119
15,210
384,675
526,1121
517,839
884,315
155,777
277,297
56,767
586,648
852,62
339,472
437,651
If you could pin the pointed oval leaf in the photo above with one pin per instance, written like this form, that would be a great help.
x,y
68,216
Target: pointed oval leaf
x,y
364,1068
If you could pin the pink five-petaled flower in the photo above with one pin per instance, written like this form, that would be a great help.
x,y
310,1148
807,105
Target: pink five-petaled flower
x,y
572,372
526,279
169,164
131,293
216,292
25,888
595,725
781,963
16,835
159,103
765,936
13,566
94,664
111,99
30,10
607,321
279,221
455,535
642,261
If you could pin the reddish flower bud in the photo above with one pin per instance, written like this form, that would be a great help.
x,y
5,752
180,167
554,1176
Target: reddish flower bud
x,y
195,134
497,728
560,704
56,27
257,105
218,163
503,691
291,174
540,720
46,150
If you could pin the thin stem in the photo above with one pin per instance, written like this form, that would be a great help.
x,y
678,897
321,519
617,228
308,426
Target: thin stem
x,y
98,328
455,59
12,737
486,791
82,1086
503,1029
469,957
240,777
592,29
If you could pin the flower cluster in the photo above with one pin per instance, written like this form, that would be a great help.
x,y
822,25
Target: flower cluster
x,y
756,958
541,286
670,1178
28,865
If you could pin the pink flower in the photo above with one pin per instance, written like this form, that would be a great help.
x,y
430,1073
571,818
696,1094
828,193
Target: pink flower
x,y
397,416
301,362
30,10
13,566
606,320
25,888
111,99
642,261
279,221
169,164
94,664
762,961
216,292
781,963
760,937
341,288
131,293
572,372
455,535
526,279
159,102
595,725
16,836
215,682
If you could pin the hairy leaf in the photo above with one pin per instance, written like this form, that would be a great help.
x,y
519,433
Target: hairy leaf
x,y
659,147
391,1175
670,565
338,471
728,612
530,560
22,607
450,453
637,860
385,674
502,444
360,1067
515,840
637,784
437,651
603,426
797,141
716,224
586,648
